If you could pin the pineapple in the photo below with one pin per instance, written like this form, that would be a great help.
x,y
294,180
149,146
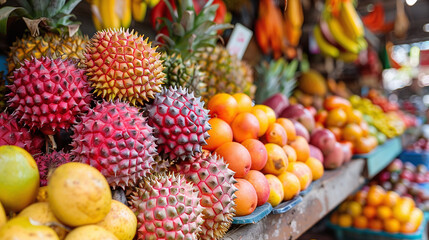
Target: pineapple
x,y
52,18
193,60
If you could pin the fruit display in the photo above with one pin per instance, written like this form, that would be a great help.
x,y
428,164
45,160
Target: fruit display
x,y
406,179
262,150
376,209
340,32
421,145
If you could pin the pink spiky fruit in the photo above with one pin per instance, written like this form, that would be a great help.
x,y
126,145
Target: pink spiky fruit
x,y
216,184
123,65
47,163
49,94
180,122
12,133
167,207
115,138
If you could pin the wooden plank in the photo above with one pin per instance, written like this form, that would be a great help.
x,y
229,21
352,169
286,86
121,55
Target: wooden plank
x,y
329,192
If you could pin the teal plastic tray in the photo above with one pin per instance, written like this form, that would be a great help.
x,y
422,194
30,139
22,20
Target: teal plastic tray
x,y
286,206
259,213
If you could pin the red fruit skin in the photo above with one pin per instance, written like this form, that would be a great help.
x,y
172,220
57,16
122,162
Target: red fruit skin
x,y
301,130
261,185
335,158
316,153
299,113
278,102
323,139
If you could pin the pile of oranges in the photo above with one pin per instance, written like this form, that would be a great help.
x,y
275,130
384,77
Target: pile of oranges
x,y
347,124
271,163
379,210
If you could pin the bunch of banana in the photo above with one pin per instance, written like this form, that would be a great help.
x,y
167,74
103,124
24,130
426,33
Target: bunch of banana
x,y
118,13
340,32
293,20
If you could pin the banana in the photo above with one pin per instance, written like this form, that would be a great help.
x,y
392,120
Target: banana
x,y
348,57
123,10
96,17
108,14
351,19
340,37
325,47
362,43
152,3
139,8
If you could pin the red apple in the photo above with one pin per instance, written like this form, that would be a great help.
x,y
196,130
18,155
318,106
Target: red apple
x,y
323,139
278,102
334,158
316,153
301,130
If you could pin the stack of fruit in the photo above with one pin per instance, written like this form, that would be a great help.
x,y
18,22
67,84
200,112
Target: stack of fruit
x,y
421,145
253,143
374,208
407,180
347,124
340,32
389,124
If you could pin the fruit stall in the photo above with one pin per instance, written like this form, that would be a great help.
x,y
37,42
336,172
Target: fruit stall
x,y
213,119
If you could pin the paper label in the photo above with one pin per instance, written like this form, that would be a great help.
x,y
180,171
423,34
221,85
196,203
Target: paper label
x,y
239,40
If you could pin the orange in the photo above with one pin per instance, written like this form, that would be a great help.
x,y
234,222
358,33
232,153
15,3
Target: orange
x,y
244,102
245,126
375,224
290,152
403,209
336,118
360,197
258,153
338,132
384,212
276,190
223,106
369,212
354,116
262,119
220,133
352,132
276,134
289,128
345,220
303,172
301,148
375,196
246,198
354,209
365,144
316,167
334,218
392,225
261,185
360,222
335,102
391,198
321,116
271,115
277,161
236,156
291,185
408,228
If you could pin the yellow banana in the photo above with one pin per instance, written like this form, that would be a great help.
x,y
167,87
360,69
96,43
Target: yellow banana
x,y
340,37
152,3
362,43
123,10
139,8
96,17
325,47
108,14
351,19
348,56
294,13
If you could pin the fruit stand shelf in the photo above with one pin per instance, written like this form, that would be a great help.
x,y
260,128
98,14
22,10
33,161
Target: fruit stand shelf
x,y
326,194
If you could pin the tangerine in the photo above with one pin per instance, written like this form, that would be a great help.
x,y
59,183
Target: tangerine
x,y
223,106
244,102
245,126
369,212
352,132
392,225
360,222
336,118
220,133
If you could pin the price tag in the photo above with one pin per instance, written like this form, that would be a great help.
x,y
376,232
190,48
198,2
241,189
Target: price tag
x,y
239,40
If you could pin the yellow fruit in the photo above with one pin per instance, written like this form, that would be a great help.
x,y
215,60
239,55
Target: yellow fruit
x,y
262,119
21,228
120,221
277,161
90,232
276,190
291,185
3,217
345,220
19,178
313,83
244,102
271,115
42,194
42,213
354,209
79,194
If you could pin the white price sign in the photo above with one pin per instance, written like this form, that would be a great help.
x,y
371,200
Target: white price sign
x,y
239,40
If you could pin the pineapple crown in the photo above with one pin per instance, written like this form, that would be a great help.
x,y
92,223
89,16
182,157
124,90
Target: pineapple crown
x,y
188,31
51,15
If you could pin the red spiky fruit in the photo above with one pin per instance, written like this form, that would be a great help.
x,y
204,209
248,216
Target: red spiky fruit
x,y
12,133
49,94
48,162
167,207
123,65
216,184
115,138
180,122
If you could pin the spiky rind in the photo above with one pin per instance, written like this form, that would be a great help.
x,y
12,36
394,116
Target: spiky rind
x,y
167,207
115,138
180,122
11,133
49,94
47,163
48,45
216,184
123,65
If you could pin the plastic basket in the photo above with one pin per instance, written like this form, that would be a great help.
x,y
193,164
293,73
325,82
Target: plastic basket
x,y
415,158
352,233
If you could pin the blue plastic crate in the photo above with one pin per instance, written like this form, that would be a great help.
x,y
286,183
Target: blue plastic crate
x,y
415,158
352,233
